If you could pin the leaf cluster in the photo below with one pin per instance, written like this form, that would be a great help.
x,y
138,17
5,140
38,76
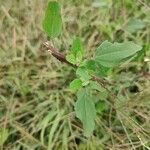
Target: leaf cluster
x,y
107,56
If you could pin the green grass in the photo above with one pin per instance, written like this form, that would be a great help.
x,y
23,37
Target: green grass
x,y
36,105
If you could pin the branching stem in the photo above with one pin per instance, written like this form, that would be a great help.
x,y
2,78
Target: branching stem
x,y
59,56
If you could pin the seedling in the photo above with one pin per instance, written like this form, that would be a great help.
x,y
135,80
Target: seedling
x,y
90,72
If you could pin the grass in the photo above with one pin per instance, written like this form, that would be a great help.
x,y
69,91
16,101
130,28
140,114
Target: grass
x,y
36,105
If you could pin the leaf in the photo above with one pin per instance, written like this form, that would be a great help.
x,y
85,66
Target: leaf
x,y
102,71
75,84
76,52
111,54
90,65
77,46
135,25
79,57
52,23
71,58
85,111
83,74
95,68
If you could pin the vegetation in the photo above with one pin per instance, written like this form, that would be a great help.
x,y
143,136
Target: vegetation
x,y
36,101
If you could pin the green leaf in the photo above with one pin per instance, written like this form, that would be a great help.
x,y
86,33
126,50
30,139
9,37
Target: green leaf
x,y
52,23
90,65
79,57
135,25
76,52
96,68
76,84
111,54
101,70
77,46
85,111
82,72
71,58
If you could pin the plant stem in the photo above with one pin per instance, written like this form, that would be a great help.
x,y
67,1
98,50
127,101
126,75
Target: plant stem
x,y
59,56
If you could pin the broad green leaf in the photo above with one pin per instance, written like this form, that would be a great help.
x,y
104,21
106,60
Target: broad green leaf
x,y
94,68
102,71
52,23
111,54
135,25
90,65
85,111
76,84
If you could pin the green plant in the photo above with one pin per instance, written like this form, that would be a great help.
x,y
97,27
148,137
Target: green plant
x,y
90,72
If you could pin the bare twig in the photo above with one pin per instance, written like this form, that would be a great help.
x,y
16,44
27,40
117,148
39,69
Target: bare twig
x,y
57,54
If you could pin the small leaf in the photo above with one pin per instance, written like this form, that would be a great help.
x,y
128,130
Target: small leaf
x,y
111,54
135,25
85,111
52,23
76,52
83,74
79,57
77,46
76,84
71,58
